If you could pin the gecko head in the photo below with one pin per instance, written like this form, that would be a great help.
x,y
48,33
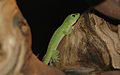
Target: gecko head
x,y
71,19
74,16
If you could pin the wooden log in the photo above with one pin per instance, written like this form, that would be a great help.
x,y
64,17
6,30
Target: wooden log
x,y
110,8
93,47
93,44
16,57
12,42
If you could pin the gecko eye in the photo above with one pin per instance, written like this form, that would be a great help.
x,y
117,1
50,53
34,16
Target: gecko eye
x,y
73,15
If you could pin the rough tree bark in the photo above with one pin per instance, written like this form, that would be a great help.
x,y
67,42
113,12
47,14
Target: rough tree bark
x,y
92,47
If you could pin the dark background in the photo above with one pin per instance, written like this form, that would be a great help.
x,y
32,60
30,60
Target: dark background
x,y
45,16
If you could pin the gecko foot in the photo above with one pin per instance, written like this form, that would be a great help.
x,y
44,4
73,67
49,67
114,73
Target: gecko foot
x,y
55,56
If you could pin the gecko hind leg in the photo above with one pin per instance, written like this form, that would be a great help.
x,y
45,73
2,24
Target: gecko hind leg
x,y
55,56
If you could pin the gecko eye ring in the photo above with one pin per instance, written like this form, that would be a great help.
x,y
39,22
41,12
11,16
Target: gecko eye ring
x,y
73,15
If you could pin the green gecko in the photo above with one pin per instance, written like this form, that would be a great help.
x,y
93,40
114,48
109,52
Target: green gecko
x,y
52,54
